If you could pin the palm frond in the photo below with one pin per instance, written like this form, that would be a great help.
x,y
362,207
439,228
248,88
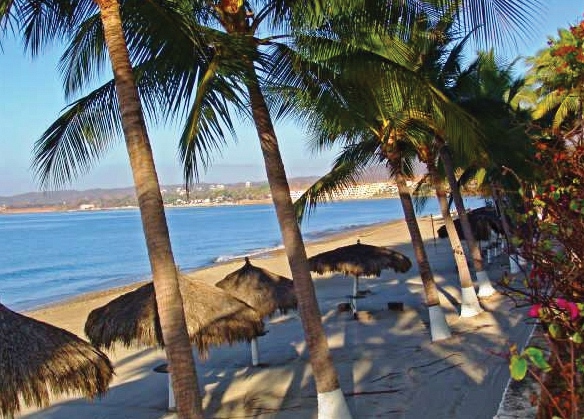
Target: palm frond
x,y
209,117
345,173
79,137
42,22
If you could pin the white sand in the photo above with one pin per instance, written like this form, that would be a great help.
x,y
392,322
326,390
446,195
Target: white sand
x,y
387,365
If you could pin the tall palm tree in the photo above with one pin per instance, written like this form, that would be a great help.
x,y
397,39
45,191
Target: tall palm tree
x,y
469,302
432,110
164,271
488,91
215,70
440,60
557,77
397,155
218,66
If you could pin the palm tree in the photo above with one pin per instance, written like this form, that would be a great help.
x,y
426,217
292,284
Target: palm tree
x,y
469,302
215,67
355,119
220,72
440,60
164,272
557,76
488,91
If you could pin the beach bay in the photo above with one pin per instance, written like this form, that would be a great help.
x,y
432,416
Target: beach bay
x,y
387,364
50,257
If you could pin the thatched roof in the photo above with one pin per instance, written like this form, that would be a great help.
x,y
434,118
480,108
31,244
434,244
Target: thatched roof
x,y
38,359
359,259
263,290
482,220
213,318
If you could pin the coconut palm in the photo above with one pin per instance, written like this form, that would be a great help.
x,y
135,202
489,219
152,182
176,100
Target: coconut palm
x,y
441,62
469,302
388,104
217,66
217,73
557,77
392,146
488,90
46,19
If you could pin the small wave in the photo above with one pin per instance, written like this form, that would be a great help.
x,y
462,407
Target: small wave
x,y
258,252
320,234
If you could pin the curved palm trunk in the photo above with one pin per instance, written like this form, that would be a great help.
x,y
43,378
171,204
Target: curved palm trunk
x,y
469,305
504,222
485,287
164,274
331,401
438,327
514,258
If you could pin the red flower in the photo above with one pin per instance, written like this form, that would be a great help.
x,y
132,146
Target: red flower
x,y
569,306
534,310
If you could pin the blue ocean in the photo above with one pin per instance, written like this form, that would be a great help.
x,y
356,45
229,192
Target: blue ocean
x,y
48,257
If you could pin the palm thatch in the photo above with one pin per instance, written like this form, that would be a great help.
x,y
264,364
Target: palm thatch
x,y
213,317
38,359
359,260
482,221
263,290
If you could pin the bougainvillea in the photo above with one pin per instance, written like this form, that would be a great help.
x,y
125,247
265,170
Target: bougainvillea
x,y
557,75
550,235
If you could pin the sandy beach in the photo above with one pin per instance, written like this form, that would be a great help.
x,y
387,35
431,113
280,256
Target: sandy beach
x,y
387,364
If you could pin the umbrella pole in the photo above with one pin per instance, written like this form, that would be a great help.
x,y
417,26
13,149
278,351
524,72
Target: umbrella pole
x,y
355,295
255,352
433,231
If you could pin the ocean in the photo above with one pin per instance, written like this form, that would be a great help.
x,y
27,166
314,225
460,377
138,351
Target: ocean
x,y
49,257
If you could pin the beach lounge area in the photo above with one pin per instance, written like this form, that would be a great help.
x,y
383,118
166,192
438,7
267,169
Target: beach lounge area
x,y
387,364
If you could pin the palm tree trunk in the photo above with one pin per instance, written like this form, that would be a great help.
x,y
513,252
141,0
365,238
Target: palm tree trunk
x,y
485,287
469,305
331,401
164,273
503,215
438,327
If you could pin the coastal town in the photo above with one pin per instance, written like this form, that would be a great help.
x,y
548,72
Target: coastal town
x,y
212,194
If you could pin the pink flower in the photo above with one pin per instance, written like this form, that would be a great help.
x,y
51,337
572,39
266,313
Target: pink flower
x,y
534,310
569,306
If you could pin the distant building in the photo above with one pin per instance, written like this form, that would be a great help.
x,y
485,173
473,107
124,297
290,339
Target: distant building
x,y
85,207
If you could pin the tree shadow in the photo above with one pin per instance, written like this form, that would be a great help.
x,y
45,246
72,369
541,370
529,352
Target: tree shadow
x,y
386,362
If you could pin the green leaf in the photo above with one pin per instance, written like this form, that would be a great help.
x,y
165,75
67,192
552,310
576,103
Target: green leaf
x,y
537,358
554,330
577,338
518,367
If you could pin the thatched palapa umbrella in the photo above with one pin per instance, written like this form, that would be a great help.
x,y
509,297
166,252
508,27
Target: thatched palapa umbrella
x,y
359,260
213,317
263,290
38,359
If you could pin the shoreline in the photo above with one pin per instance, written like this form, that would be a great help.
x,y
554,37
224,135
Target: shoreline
x,y
361,231
383,352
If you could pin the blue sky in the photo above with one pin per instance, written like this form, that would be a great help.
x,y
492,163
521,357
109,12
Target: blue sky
x,y
32,99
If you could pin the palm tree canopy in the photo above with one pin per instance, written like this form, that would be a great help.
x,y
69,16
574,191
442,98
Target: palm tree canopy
x,y
185,67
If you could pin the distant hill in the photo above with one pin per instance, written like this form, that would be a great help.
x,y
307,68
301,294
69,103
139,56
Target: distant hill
x,y
117,197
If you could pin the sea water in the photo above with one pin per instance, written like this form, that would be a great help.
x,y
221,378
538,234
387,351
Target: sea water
x,y
48,257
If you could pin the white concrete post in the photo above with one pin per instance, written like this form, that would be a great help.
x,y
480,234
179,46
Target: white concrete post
x,y
485,287
332,405
255,352
438,327
469,305
171,401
